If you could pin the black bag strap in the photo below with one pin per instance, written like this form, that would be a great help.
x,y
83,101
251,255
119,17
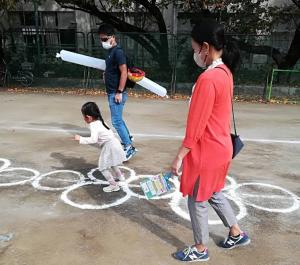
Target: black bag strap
x,y
233,117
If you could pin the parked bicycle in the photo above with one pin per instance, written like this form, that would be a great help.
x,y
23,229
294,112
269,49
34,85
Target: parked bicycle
x,y
21,76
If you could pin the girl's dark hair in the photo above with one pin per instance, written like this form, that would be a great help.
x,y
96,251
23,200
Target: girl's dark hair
x,y
210,31
91,109
106,29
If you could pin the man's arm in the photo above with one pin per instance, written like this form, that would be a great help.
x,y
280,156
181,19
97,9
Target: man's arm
x,y
122,83
123,77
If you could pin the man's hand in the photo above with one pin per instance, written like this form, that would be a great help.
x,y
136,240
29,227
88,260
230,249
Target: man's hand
x,y
77,137
118,98
103,76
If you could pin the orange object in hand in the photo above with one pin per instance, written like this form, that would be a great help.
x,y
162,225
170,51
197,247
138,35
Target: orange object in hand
x,y
135,74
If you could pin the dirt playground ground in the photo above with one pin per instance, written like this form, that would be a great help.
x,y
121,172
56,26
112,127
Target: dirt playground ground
x,y
52,214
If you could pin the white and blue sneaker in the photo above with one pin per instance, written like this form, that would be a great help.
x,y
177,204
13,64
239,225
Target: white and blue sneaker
x,y
130,152
235,241
191,254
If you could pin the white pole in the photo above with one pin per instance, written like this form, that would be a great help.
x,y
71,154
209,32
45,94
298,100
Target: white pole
x,y
77,58
84,60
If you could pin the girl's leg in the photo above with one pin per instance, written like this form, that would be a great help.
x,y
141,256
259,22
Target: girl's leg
x,y
109,177
117,172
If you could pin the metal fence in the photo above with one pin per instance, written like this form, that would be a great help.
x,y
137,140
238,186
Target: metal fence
x,y
166,58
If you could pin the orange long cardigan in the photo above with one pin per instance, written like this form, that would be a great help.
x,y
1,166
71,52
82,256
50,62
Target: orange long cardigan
x,y
208,134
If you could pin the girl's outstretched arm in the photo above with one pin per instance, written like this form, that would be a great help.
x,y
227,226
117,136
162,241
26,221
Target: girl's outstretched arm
x,y
93,139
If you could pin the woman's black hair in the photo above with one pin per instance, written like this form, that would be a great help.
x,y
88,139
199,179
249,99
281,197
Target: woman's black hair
x,y
106,29
91,109
210,31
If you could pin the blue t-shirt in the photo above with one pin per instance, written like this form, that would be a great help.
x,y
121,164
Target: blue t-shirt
x,y
114,59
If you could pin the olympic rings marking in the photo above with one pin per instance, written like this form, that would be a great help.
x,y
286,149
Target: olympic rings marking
x,y
36,183
231,191
9,169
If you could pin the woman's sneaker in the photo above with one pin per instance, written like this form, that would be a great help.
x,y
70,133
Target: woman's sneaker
x,y
111,188
191,254
235,241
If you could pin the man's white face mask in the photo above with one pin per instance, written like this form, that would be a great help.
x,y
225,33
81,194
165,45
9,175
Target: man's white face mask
x,y
106,45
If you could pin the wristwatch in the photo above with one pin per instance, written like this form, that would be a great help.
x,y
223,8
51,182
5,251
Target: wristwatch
x,y
119,91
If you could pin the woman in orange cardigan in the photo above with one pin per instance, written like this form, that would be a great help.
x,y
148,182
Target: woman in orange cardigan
x,y
206,151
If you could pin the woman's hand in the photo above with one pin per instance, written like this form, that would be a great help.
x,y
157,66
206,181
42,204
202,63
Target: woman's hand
x,y
77,137
176,165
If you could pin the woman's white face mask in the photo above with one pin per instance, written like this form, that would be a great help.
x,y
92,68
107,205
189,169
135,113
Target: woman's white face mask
x,y
198,59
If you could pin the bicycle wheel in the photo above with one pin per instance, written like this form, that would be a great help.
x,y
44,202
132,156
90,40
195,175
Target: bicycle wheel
x,y
25,78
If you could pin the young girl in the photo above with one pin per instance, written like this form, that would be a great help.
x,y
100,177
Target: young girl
x,y
112,153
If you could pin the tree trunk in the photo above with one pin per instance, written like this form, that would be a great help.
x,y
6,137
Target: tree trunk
x,y
293,54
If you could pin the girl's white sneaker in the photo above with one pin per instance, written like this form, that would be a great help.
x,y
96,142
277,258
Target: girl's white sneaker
x,y
111,188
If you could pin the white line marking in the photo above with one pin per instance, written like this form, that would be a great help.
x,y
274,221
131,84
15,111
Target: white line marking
x,y
167,136
272,141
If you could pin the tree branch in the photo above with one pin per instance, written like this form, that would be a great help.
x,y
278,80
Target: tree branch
x,y
293,54
296,2
261,49
74,8
156,13
146,40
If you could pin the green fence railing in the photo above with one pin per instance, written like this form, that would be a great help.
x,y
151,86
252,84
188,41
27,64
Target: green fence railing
x,y
166,58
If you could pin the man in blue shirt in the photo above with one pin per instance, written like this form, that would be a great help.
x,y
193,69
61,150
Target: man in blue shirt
x,y
115,77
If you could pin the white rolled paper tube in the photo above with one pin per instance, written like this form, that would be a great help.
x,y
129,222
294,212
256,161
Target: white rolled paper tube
x,y
153,87
100,64
77,58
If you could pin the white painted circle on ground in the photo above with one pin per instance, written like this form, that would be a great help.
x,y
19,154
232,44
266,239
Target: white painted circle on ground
x,y
5,163
36,183
232,184
21,182
177,199
64,197
267,196
90,174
